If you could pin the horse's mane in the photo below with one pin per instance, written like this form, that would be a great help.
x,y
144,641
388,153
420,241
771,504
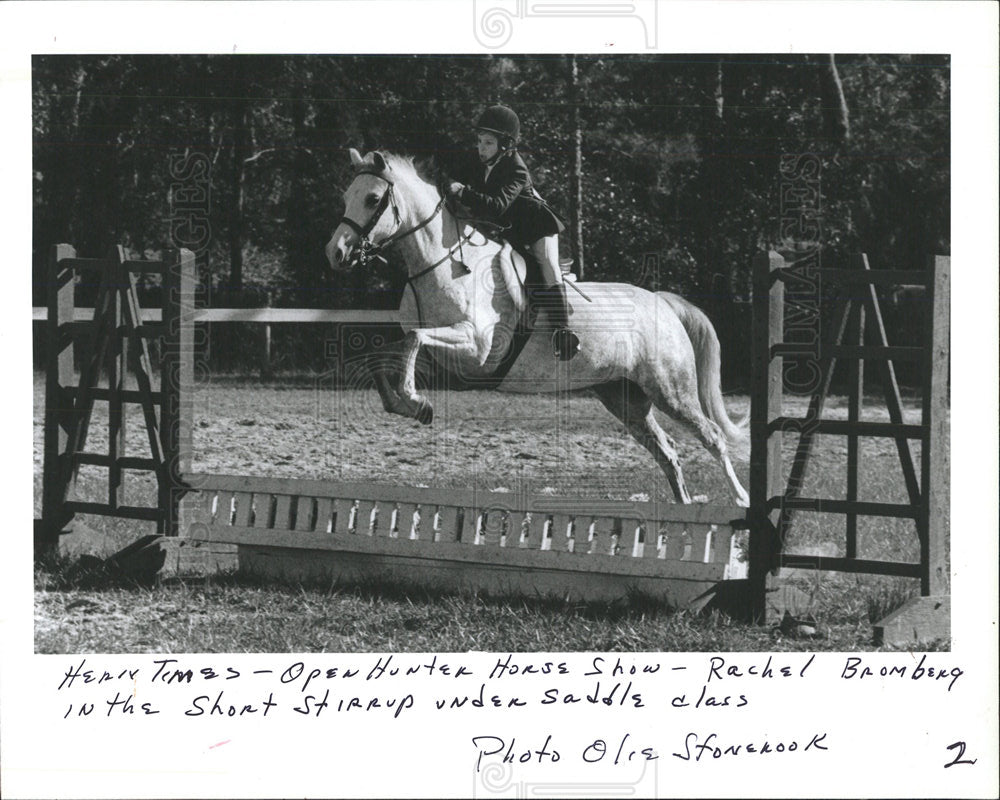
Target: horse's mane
x,y
432,175
425,168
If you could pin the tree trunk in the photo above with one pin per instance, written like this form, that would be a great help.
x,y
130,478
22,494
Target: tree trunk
x,y
717,181
576,175
62,183
836,117
720,98
299,257
716,272
241,147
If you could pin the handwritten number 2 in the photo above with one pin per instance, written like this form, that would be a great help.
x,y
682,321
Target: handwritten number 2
x,y
958,756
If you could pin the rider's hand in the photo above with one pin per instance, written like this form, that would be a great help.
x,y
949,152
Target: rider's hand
x,y
455,188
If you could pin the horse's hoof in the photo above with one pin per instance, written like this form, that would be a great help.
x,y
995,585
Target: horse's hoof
x,y
425,413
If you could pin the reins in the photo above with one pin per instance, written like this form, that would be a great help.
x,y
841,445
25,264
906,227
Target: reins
x,y
462,239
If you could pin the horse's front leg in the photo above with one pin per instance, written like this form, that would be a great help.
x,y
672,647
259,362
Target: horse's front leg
x,y
445,343
381,367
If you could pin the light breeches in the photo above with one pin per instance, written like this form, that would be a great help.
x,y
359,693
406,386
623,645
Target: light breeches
x,y
546,252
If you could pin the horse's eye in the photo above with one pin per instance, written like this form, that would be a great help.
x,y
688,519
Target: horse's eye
x,y
371,200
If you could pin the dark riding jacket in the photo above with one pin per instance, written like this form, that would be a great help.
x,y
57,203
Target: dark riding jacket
x,y
508,197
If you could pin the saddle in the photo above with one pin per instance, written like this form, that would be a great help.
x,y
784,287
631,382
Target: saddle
x,y
528,270
528,274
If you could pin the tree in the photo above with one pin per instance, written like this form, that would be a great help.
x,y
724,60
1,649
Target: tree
x,y
576,172
836,118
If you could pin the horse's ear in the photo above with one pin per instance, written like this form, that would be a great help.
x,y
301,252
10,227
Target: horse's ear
x,y
379,161
356,158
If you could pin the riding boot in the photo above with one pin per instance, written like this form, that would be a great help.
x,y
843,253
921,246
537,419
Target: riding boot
x,y
564,341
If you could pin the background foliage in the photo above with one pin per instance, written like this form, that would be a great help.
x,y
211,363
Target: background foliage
x,y
679,163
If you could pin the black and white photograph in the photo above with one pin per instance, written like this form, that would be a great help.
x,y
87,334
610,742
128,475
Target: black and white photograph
x,y
439,384
519,369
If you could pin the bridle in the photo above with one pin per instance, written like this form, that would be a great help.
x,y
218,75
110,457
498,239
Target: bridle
x,y
368,249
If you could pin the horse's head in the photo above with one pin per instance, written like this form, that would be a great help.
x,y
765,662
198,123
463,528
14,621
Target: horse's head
x,y
370,210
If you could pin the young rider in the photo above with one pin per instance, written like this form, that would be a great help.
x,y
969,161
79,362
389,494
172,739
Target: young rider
x,y
501,191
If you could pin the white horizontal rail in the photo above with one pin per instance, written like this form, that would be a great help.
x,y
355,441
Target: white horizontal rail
x,y
265,315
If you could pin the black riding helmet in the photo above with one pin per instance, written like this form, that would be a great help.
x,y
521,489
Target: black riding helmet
x,y
501,121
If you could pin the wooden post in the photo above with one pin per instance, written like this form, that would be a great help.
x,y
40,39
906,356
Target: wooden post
x,y
265,367
117,368
177,380
855,387
765,405
58,407
935,462
929,616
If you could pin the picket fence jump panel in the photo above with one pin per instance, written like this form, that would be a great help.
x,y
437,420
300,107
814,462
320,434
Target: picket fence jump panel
x,y
496,542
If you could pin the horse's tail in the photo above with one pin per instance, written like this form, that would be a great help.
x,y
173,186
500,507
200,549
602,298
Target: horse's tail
x,y
708,363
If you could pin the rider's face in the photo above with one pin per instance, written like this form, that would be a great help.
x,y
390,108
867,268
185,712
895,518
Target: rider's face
x,y
488,146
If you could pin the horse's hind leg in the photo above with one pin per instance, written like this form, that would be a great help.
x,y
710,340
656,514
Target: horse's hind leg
x,y
713,440
627,401
688,411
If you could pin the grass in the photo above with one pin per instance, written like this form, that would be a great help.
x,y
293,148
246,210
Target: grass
x,y
84,612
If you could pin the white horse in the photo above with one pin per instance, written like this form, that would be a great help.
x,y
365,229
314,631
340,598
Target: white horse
x,y
465,301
